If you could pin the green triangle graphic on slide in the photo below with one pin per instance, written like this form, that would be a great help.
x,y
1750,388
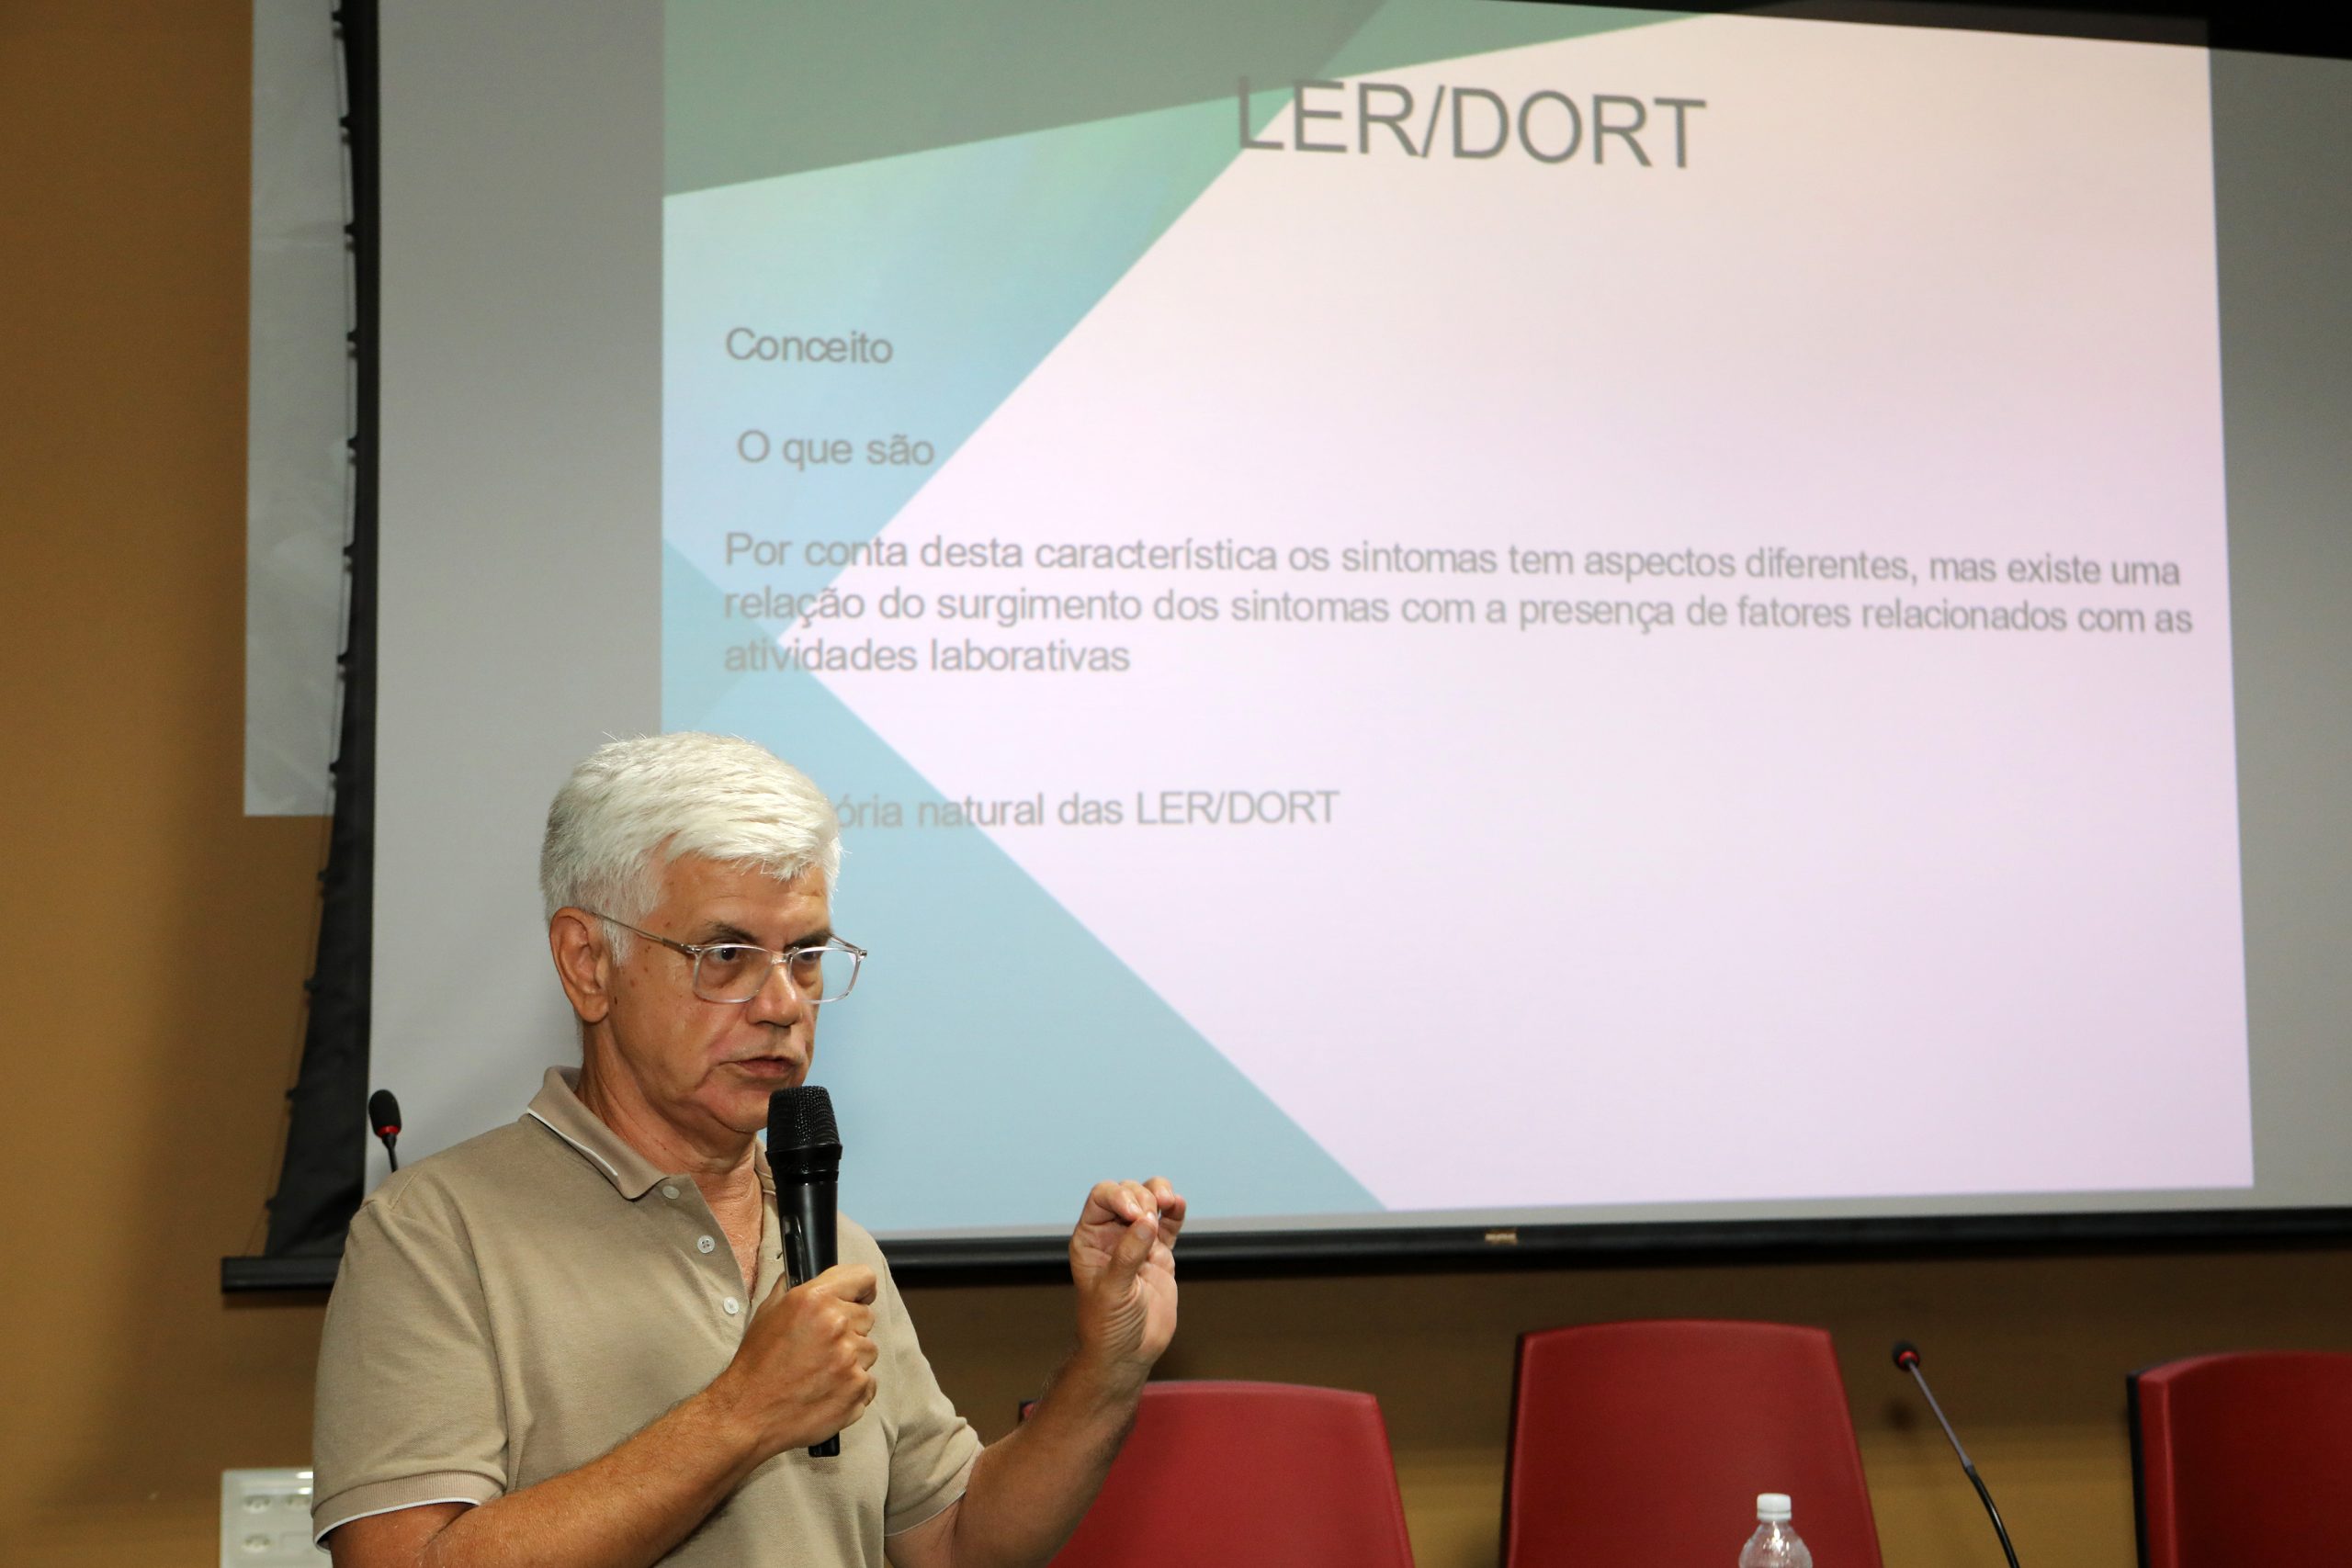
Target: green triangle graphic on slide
x,y
974,259
754,89
973,262
997,1059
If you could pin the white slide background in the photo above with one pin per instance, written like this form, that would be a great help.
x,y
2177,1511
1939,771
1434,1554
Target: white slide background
x,y
1608,917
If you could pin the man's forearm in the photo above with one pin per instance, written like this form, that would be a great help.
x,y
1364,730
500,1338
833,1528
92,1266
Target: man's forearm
x,y
1030,1488
623,1510
803,1372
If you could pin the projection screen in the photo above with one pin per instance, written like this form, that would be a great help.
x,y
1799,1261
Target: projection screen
x,y
1430,615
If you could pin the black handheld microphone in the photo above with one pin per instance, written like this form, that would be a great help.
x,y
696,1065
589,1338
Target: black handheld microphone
x,y
805,1153
384,1115
1906,1356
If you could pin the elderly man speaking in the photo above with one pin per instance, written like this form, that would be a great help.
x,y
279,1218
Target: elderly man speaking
x,y
570,1342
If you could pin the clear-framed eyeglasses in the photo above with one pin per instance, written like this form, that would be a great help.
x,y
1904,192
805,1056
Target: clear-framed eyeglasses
x,y
735,972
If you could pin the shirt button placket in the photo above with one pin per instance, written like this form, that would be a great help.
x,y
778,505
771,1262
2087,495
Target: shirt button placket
x,y
705,1245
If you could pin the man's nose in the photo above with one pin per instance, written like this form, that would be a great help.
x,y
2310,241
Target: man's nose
x,y
779,1000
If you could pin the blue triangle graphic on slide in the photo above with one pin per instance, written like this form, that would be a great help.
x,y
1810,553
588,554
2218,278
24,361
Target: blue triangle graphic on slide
x,y
997,1059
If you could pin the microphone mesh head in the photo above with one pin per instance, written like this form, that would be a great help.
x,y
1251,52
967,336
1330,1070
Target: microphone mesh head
x,y
383,1113
801,1117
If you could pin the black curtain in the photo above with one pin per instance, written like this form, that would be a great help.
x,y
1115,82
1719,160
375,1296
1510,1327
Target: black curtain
x,y
318,1184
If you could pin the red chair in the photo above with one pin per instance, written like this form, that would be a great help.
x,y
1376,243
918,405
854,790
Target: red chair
x,y
1647,1443
2243,1458
1269,1475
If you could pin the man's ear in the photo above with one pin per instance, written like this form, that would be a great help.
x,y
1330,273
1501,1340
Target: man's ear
x,y
583,962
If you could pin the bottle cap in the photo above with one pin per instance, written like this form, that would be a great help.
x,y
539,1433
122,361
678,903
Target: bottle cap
x,y
1772,1507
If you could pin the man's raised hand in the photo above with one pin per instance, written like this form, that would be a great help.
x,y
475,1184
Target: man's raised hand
x,y
1122,1257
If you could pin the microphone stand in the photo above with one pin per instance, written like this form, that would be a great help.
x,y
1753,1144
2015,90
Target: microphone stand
x,y
1910,1363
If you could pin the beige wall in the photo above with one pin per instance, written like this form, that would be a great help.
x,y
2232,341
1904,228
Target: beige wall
x,y
139,1118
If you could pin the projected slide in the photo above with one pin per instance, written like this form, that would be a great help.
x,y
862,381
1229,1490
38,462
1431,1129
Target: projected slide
x,y
1514,609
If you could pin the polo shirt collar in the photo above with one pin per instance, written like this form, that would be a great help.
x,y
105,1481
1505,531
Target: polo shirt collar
x,y
557,1106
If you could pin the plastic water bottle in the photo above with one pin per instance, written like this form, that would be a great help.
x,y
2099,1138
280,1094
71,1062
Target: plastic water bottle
x,y
1774,1544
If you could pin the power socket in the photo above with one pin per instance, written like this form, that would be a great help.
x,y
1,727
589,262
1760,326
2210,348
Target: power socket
x,y
266,1520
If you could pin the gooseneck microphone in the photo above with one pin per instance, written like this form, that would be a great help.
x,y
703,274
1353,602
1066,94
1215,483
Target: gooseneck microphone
x,y
805,1154
1906,1356
384,1115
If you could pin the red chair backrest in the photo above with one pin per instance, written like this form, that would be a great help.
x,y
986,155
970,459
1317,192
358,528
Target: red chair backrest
x,y
1647,1443
2243,1458
1271,1474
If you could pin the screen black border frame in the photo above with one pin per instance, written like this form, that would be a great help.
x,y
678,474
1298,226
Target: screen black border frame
x,y
319,1186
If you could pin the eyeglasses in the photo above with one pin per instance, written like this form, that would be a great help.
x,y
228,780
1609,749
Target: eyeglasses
x,y
735,972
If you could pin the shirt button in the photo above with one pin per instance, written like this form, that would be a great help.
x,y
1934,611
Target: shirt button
x,y
669,1192
731,1306
704,1244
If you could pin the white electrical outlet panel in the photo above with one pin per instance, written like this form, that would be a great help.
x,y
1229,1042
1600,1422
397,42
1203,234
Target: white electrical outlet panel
x,y
266,1520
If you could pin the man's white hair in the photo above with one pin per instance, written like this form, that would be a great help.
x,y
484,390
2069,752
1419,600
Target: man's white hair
x,y
632,806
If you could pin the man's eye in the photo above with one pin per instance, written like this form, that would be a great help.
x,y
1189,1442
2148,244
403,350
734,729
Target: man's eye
x,y
729,953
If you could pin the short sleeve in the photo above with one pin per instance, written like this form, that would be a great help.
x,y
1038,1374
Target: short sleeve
x,y
933,1447
409,1410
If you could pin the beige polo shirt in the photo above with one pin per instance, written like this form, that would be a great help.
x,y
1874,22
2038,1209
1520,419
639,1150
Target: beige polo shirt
x,y
516,1306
